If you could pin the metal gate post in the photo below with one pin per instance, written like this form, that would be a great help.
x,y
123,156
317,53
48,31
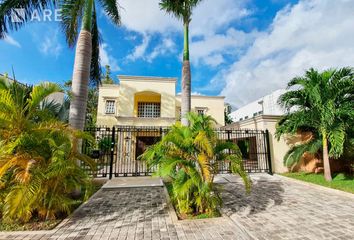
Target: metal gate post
x,y
113,143
229,140
268,153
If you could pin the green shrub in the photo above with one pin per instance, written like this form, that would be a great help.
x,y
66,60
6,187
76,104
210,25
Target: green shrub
x,y
38,157
190,157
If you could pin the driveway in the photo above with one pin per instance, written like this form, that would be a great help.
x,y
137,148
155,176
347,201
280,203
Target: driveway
x,y
277,208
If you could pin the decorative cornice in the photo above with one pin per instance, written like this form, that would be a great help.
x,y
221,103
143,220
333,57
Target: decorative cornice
x,y
146,78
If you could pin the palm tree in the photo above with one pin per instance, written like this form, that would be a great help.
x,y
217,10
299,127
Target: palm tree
x,y
182,9
322,104
190,156
74,13
38,155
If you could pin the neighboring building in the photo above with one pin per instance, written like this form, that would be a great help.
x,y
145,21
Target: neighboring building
x,y
266,105
149,101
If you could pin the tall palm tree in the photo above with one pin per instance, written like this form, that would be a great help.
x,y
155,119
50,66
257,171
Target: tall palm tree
x,y
323,104
182,10
190,156
74,13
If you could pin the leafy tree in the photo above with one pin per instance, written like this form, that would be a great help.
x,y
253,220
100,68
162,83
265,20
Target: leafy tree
x,y
322,104
106,78
38,156
74,13
228,119
182,10
190,156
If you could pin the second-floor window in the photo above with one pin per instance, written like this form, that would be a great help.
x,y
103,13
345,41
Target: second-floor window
x,y
200,110
149,110
110,106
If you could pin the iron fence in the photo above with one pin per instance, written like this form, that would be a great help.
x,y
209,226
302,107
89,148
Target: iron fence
x,y
116,150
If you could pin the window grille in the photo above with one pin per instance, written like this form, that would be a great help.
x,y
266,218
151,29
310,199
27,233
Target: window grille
x,y
200,111
110,106
149,110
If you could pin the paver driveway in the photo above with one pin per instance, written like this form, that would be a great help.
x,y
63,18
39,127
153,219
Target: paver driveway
x,y
276,209
285,209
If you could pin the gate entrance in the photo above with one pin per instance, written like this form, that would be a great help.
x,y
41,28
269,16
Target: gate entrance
x,y
116,150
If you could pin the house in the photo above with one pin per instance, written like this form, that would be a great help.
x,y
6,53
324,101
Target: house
x,y
150,102
266,105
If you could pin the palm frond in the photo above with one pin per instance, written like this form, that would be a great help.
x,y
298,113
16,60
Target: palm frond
x,y
40,92
95,67
71,15
111,8
15,13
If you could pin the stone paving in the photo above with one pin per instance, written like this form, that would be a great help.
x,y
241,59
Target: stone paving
x,y
279,208
276,209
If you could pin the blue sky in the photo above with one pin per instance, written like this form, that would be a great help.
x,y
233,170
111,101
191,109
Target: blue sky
x,y
241,49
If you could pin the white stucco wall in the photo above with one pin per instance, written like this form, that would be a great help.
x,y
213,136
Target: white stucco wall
x,y
266,105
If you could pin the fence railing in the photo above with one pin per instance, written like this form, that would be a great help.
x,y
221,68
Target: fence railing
x,y
116,150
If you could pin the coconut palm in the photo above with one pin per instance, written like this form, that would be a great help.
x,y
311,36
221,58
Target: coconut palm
x,y
74,13
322,104
38,155
190,156
182,10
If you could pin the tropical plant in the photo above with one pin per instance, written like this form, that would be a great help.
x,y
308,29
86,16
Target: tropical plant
x,y
322,104
190,157
38,156
106,77
182,10
87,40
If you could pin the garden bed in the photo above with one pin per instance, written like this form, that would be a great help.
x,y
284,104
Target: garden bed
x,y
340,181
36,224
180,216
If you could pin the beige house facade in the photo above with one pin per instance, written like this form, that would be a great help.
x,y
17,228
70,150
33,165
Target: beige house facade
x,y
149,102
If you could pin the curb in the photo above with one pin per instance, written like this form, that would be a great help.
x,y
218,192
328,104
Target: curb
x,y
319,187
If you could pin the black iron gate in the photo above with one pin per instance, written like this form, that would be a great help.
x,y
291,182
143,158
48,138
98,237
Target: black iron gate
x,y
116,150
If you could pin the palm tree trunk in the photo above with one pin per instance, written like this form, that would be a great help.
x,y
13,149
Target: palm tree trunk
x,y
186,79
81,72
326,165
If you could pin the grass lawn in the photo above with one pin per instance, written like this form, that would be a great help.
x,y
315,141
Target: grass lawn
x,y
189,216
340,181
36,224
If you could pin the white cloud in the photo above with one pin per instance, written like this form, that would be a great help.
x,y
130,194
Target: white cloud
x,y
211,50
50,45
312,33
210,16
12,41
139,50
146,18
107,59
166,46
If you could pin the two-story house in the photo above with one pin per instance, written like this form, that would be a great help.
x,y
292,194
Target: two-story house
x,y
150,101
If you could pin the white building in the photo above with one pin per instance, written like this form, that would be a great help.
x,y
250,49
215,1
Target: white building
x,y
266,105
